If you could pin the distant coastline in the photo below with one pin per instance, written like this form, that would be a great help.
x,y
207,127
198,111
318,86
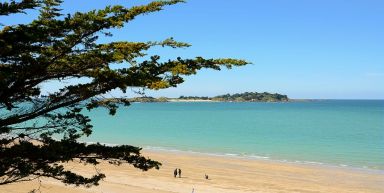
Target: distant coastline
x,y
238,97
190,100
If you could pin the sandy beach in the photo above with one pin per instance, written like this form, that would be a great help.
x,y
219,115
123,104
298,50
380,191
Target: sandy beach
x,y
226,174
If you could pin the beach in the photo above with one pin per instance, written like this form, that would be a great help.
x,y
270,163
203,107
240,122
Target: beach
x,y
226,174
210,96
325,146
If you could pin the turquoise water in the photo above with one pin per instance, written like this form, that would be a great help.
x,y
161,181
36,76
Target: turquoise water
x,y
336,132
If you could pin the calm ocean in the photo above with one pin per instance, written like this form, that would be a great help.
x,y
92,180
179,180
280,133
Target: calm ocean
x,y
333,132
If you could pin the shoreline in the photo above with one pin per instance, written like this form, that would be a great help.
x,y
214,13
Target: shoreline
x,y
226,174
189,100
155,149
172,100
265,159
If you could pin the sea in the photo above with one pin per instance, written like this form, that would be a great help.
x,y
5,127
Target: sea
x,y
342,133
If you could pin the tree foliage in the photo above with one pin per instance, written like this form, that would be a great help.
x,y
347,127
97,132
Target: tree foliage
x,y
252,97
243,97
60,47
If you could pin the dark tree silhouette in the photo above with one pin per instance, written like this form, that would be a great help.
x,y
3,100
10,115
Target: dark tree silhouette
x,y
253,97
58,47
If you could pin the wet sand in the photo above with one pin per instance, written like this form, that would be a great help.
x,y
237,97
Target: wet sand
x,y
226,175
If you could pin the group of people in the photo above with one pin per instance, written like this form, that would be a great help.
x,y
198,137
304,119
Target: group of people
x,y
177,171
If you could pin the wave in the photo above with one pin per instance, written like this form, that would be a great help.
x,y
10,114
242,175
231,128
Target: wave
x,y
253,157
261,157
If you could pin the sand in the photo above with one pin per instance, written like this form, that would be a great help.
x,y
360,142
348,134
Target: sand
x,y
226,175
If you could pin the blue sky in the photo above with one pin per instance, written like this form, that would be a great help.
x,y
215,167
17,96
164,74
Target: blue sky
x,y
305,49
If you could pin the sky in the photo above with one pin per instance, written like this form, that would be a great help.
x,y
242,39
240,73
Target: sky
x,y
327,49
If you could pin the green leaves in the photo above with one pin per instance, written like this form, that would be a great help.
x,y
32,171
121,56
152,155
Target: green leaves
x,y
28,160
56,47
7,8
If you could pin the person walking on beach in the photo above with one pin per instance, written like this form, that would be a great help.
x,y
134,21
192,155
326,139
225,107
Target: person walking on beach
x,y
175,173
179,173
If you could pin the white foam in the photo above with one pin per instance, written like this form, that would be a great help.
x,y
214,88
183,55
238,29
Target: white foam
x,y
250,156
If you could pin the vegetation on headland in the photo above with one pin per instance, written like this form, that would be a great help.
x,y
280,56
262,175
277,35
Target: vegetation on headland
x,y
252,97
238,97
147,99
39,131
194,98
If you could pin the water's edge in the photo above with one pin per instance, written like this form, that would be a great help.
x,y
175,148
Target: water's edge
x,y
255,157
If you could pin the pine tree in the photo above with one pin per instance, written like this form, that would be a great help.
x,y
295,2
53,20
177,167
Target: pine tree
x,y
57,47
